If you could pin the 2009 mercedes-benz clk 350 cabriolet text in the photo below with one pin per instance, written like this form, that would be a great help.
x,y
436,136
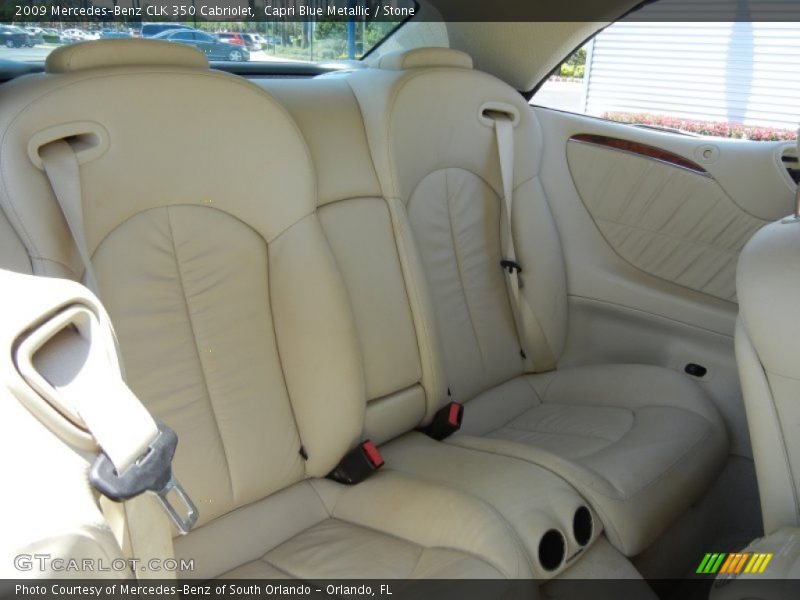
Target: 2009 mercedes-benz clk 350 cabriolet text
x,y
425,307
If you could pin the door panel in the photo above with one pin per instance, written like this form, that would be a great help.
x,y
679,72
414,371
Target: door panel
x,y
668,220
651,230
744,187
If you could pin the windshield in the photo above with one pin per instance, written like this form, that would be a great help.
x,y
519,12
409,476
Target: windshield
x,y
308,41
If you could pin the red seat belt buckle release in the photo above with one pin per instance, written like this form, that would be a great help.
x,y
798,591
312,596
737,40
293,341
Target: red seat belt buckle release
x,y
358,464
373,454
445,422
454,415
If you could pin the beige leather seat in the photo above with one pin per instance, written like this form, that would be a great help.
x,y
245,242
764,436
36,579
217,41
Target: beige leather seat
x,y
642,443
370,239
767,333
233,320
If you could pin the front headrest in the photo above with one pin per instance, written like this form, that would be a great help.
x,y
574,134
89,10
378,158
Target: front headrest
x,y
419,58
123,53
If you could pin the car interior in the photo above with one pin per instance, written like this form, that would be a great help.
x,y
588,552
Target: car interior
x,y
405,323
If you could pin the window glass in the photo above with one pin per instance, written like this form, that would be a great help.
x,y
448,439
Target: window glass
x,y
324,40
731,79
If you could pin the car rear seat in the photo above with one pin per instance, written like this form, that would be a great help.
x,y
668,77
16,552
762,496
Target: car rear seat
x,y
391,306
232,317
641,442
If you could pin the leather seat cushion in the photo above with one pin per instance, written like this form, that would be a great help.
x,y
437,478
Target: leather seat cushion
x,y
389,526
641,442
336,549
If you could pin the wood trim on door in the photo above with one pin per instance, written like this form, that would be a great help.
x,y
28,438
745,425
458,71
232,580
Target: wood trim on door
x,y
639,149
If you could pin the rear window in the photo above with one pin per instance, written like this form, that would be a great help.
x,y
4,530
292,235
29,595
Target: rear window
x,y
319,40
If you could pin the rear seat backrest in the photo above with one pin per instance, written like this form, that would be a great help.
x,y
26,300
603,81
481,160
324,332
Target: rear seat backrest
x,y
210,260
392,309
435,154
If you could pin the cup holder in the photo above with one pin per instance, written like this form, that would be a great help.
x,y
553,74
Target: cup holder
x,y
582,525
552,549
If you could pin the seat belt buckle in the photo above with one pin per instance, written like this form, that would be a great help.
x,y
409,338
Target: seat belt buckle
x,y
152,472
445,422
358,464
510,266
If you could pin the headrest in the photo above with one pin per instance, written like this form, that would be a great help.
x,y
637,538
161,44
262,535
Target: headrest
x,y
419,58
123,53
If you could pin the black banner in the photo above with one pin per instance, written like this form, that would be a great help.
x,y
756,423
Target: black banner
x,y
393,589
259,11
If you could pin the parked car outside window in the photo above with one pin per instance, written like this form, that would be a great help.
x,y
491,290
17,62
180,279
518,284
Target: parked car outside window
x,y
153,29
13,37
232,38
212,47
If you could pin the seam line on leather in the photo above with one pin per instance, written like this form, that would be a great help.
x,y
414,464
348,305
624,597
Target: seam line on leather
x,y
463,288
424,547
787,463
198,353
276,339
418,319
566,433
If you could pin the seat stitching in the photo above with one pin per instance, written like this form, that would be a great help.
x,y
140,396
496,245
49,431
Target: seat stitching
x,y
459,270
277,568
422,333
322,502
45,259
629,409
546,389
773,413
264,560
664,473
418,319
419,558
669,467
490,508
277,338
586,435
399,86
527,380
621,495
413,543
533,441
672,465
512,531
197,350
518,415
553,469
20,229
5,199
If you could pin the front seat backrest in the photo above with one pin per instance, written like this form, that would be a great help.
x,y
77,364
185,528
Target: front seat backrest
x,y
767,351
208,253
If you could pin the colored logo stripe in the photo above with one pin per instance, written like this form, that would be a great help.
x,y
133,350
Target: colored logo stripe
x,y
710,563
729,562
763,566
735,563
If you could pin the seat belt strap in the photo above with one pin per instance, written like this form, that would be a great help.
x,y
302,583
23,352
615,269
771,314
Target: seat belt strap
x,y
136,452
531,335
62,169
